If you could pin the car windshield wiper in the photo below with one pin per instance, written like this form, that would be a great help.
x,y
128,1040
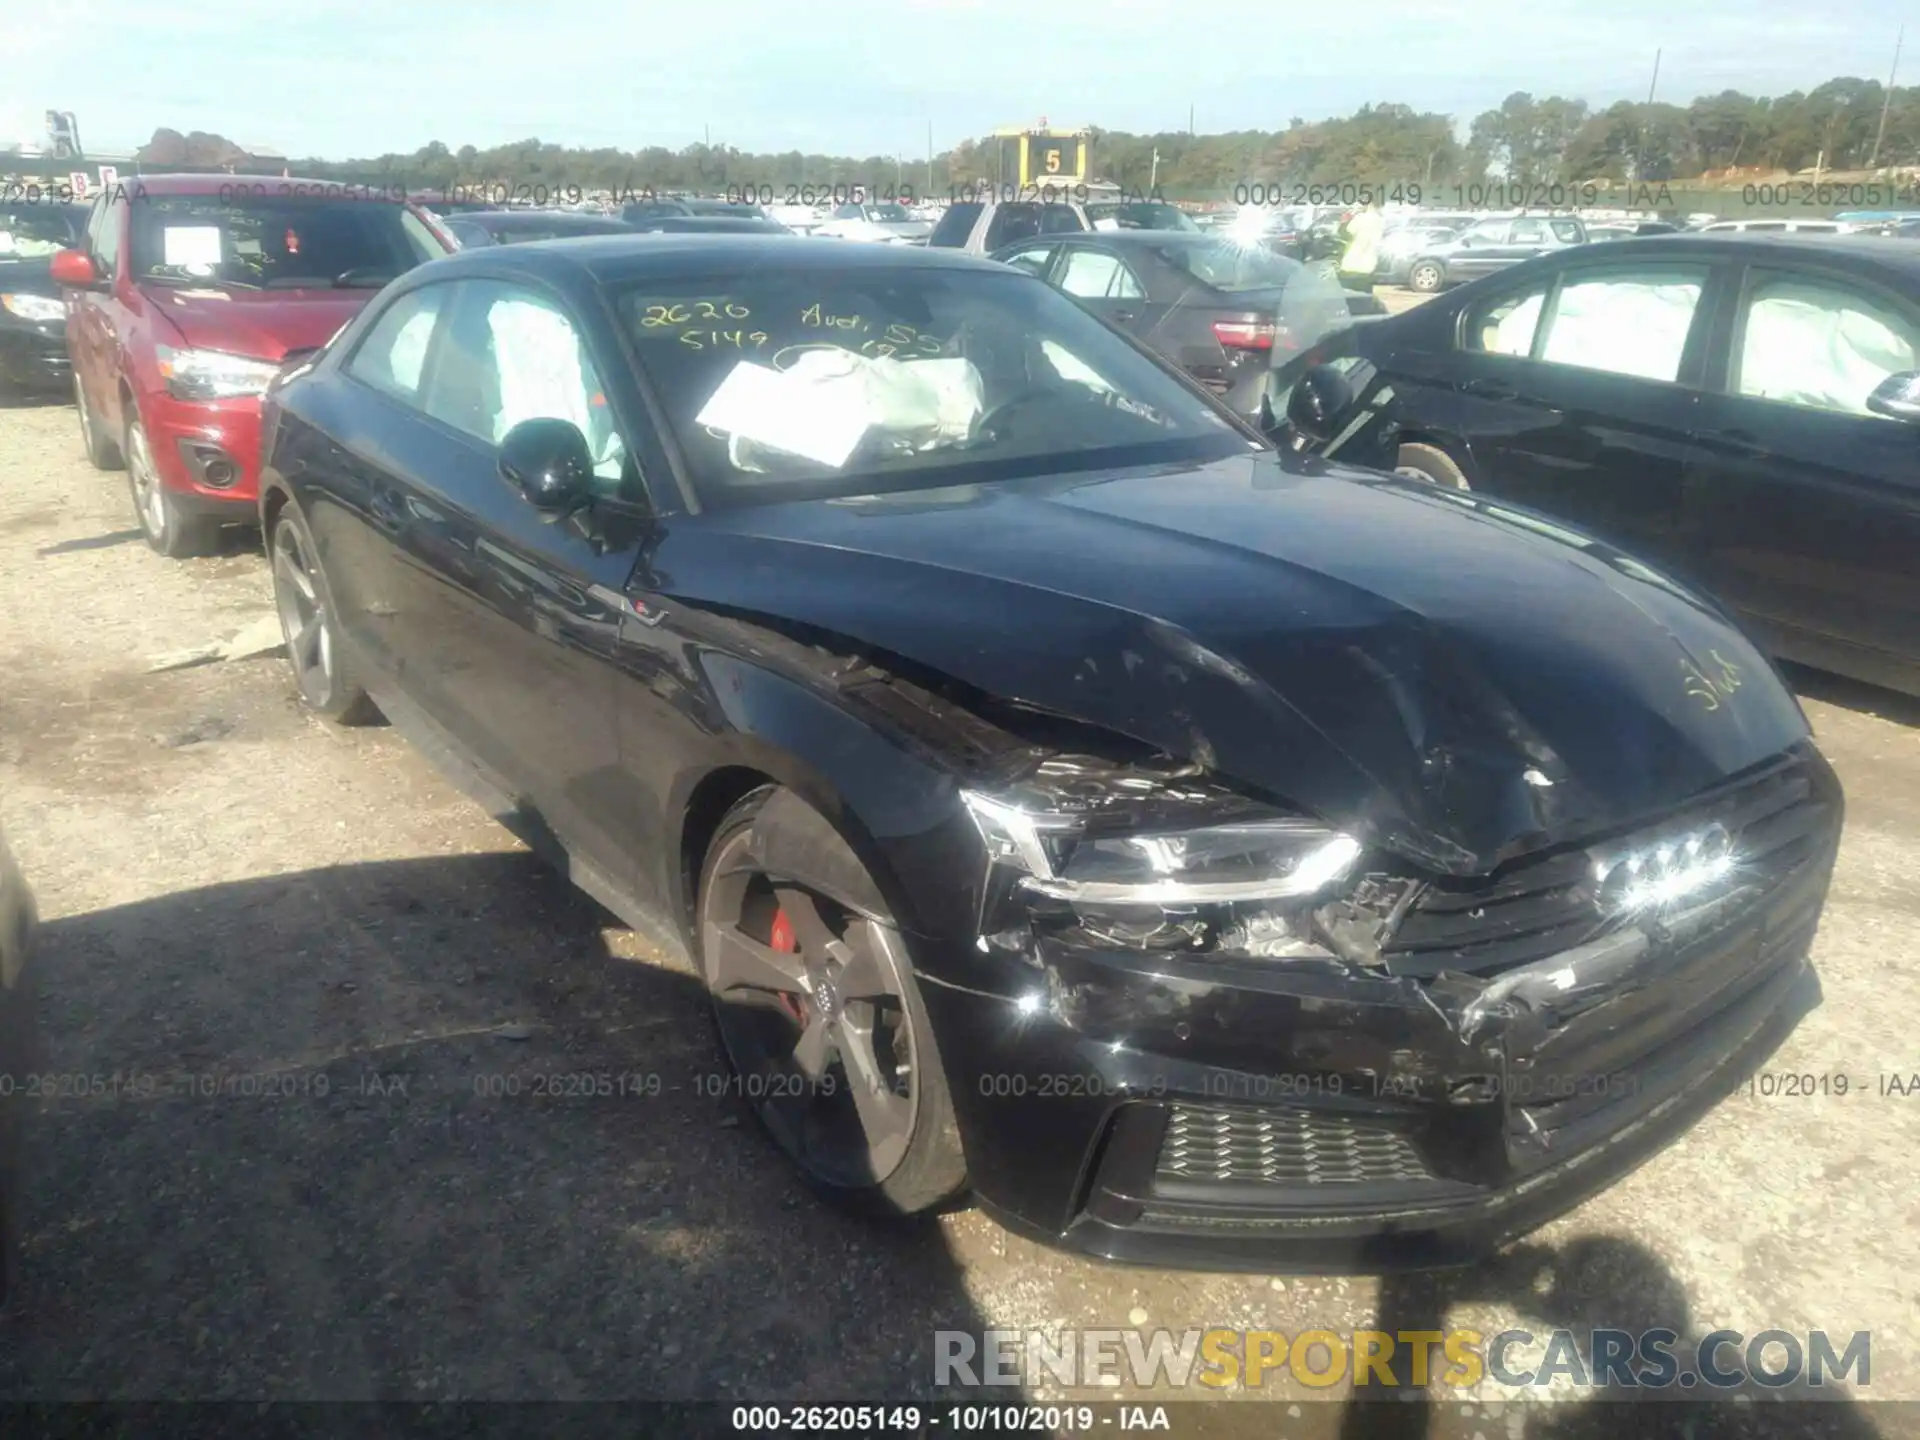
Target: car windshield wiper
x,y
197,282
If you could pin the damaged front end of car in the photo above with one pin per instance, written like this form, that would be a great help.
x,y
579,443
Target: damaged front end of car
x,y
1200,1028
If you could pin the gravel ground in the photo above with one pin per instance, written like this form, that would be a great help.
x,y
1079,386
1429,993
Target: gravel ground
x,y
324,970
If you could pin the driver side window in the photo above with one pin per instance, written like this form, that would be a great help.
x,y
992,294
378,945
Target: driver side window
x,y
512,354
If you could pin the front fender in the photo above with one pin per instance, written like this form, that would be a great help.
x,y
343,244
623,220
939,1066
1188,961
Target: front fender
x,y
895,805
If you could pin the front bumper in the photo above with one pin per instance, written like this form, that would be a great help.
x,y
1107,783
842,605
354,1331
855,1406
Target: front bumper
x,y
1289,1117
34,357
192,440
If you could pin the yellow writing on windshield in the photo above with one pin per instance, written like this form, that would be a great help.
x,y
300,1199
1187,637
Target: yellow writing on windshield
x,y
691,311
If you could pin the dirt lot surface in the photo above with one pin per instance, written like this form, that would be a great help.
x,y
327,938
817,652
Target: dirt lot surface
x,y
317,970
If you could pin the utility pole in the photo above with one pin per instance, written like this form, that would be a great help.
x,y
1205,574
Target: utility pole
x,y
929,159
1640,159
1190,129
1887,103
1154,183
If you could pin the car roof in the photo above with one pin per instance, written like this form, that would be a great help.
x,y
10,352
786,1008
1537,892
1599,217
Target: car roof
x,y
531,219
268,185
1158,239
666,256
1862,251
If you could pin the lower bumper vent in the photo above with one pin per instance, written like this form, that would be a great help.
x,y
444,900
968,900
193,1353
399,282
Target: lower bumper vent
x,y
1284,1147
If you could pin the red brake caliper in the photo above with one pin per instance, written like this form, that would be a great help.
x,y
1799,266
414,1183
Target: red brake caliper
x,y
781,938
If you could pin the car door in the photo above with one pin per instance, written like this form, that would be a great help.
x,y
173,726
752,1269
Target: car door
x,y
508,621
1807,503
1104,283
93,332
1480,250
1579,390
1526,237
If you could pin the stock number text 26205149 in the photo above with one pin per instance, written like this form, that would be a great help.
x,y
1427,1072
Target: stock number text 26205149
x,y
840,193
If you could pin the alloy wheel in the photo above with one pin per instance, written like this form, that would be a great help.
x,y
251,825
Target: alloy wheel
x,y
303,616
811,1009
149,497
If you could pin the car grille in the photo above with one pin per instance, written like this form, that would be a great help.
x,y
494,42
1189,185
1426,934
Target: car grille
x,y
1284,1147
1779,821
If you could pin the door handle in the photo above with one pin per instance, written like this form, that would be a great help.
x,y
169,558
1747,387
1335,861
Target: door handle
x,y
1126,314
1489,390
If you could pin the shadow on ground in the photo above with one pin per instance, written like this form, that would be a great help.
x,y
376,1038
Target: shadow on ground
x,y
412,1131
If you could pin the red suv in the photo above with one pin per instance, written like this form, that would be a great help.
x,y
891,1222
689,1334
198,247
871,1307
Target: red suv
x,y
190,293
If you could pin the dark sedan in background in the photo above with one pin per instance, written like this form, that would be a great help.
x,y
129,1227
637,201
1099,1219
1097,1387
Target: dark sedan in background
x,y
1037,761
19,1052
1220,309
521,227
33,318
1743,409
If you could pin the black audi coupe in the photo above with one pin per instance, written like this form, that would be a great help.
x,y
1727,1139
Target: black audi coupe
x,y
1198,854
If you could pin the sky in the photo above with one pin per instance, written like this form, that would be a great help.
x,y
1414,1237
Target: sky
x,y
350,78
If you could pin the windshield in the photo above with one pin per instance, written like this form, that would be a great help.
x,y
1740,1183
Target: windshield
x,y
274,243
888,214
1140,215
1232,268
31,231
851,382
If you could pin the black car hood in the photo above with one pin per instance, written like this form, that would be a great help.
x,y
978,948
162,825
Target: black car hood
x,y
1457,681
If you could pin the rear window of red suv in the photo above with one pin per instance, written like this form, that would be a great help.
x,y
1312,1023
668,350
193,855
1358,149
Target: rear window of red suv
x,y
275,242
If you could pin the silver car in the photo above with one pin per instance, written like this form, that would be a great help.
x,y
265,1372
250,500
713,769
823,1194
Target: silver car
x,y
1484,247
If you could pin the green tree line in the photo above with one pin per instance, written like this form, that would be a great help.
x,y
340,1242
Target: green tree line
x,y
1531,140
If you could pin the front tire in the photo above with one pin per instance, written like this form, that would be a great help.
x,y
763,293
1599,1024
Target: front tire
x,y
819,1013
322,669
1431,464
1426,276
169,527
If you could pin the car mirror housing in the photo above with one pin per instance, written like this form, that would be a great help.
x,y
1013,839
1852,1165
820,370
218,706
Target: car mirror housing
x,y
1318,401
1897,397
74,268
548,462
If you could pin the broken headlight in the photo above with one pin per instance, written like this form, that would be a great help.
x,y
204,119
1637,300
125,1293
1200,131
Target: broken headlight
x,y
1154,869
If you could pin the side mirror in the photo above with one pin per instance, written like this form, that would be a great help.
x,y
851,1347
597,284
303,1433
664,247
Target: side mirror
x,y
75,268
548,462
1318,401
1897,397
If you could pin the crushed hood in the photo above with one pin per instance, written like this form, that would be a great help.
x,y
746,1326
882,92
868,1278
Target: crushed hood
x,y
260,324
1453,679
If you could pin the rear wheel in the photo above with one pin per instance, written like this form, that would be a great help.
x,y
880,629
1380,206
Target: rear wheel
x,y
321,668
818,1011
170,528
1426,276
1432,464
102,453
